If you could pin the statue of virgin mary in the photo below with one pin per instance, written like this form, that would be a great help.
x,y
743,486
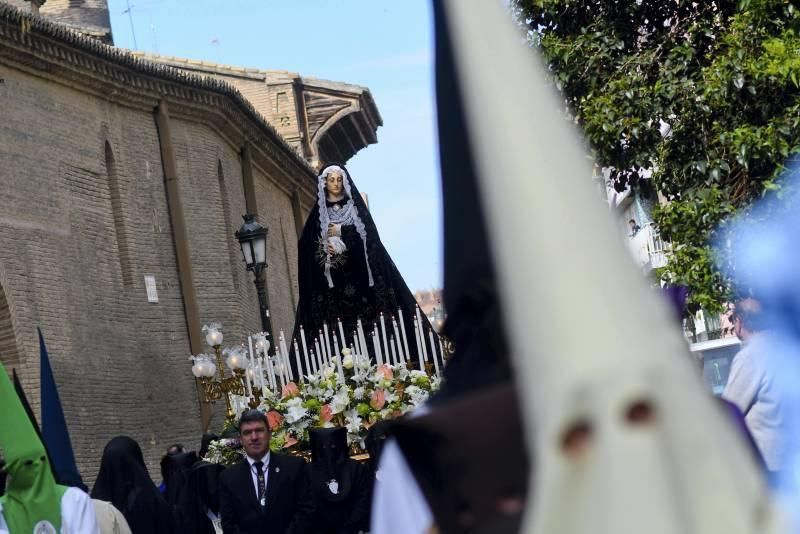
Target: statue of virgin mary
x,y
346,275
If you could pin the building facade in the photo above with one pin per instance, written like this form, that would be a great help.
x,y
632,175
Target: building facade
x,y
117,169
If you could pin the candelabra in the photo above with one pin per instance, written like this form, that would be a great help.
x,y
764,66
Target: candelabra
x,y
210,371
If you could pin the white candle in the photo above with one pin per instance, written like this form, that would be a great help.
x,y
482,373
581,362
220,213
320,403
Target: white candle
x,y
418,334
341,331
299,366
362,340
391,348
400,356
338,358
285,352
357,345
320,356
433,352
376,342
305,348
405,340
327,342
422,336
385,339
273,383
260,371
441,350
308,366
252,366
313,362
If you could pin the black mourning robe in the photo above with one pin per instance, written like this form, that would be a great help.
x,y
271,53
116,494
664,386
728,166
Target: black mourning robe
x,y
345,510
123,481
351,297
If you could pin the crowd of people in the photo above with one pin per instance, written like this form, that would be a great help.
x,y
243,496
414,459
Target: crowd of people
x,y
264,492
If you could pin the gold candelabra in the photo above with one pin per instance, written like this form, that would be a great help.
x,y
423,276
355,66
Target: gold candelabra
x,y
211,374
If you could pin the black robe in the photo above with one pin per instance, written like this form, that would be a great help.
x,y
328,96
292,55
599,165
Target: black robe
x,y
345,511
351,297
124,482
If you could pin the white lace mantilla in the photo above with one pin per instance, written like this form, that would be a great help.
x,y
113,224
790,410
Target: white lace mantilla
x,y
344,216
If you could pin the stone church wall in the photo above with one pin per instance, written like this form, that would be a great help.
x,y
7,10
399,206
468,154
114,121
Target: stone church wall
x,y
83,218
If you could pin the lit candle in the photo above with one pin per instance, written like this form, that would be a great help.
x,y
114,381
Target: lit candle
x,y
385,339
403,330
376,342
338,358
400,356
417,334
433,352
441,350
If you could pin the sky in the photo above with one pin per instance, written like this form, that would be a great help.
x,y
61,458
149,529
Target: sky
x,y
385,45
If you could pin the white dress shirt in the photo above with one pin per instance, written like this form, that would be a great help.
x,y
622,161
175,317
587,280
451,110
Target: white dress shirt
x,y
752,387
254,472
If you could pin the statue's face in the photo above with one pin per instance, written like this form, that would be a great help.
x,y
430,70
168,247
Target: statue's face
x,y
334,183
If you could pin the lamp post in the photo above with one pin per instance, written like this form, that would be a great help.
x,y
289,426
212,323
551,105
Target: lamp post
x,y
253,240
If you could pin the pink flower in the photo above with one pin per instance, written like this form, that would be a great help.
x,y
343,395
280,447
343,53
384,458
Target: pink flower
x,y
378,399
290,390
386,371
326,413
290,440
275,419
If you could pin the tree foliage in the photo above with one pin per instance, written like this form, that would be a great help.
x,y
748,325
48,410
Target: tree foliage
x,y
703,93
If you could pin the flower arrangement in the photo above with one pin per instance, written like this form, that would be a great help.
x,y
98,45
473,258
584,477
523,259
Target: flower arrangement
x,y
353,393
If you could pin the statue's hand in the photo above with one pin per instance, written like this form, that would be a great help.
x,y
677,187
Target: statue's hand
x,y
331,250
334,230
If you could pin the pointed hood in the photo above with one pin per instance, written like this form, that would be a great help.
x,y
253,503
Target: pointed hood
x,y
623,436
54,426
32,495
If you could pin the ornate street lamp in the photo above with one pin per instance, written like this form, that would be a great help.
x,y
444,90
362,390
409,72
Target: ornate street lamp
x,y
210,370
253,240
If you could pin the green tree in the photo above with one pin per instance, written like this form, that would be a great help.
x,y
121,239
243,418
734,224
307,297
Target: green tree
x,y
703,93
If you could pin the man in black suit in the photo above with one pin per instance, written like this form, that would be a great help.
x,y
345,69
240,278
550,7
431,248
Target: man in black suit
x,y
266,493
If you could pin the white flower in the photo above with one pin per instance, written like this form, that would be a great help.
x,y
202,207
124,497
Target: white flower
x,y
347,363
353,421
295,410
402,372
359,393
340,400
391,396
329,371
417,395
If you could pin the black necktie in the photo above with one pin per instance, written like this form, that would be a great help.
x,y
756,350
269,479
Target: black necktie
x,y
262,484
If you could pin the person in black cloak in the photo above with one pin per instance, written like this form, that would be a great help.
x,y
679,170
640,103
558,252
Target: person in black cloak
x,y
340,485
175,468
123,481
346,274
200,502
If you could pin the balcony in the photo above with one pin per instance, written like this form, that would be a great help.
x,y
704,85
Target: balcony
x,y
648,249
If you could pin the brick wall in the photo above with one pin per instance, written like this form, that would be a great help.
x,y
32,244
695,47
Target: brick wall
x,y
68,234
